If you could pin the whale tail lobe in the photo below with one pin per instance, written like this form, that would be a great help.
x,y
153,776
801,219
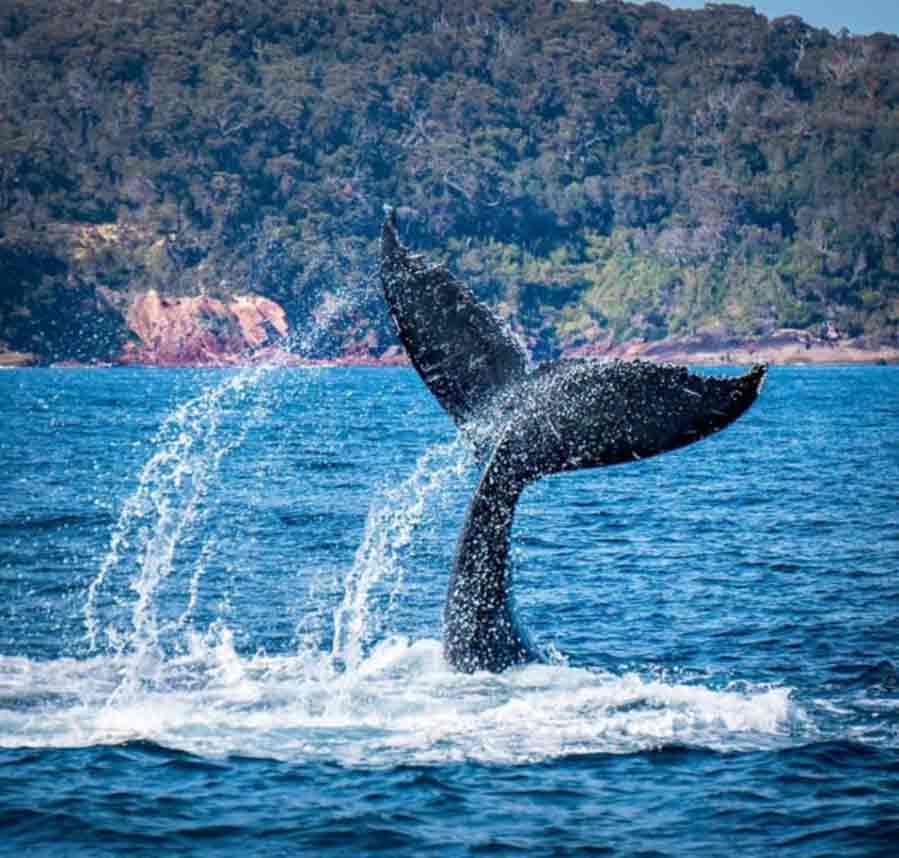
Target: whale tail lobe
x,y
585,414
463,352
570,416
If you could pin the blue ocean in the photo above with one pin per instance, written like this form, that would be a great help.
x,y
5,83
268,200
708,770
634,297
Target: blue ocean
x,y
220,622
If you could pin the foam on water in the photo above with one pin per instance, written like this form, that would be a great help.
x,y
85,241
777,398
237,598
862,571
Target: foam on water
x,y
401,704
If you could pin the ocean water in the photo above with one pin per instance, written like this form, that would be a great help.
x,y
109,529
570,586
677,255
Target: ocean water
x,y
220,600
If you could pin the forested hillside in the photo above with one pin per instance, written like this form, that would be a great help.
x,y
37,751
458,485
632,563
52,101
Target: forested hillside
x,y
598,170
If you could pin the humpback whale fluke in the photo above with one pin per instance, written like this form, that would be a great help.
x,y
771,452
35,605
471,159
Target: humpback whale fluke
x,y
561,416
459,347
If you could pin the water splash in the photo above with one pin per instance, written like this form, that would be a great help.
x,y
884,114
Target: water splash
x,y
167,505
392,520
163,519
375,698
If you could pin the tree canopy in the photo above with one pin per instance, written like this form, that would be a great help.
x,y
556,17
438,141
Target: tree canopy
x,y
595,168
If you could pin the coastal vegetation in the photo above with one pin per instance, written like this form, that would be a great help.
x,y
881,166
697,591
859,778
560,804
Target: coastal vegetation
x,y
601,171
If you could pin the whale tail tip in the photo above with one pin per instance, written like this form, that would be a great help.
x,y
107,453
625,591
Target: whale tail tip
x,y
389,235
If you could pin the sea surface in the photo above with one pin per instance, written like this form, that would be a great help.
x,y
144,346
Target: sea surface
x,y
220,613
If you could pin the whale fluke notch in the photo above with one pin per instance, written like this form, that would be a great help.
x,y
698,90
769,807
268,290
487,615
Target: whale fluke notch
x,y
561,416
463,352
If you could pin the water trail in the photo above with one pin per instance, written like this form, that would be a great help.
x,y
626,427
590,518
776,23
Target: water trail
x,y
168,503
161,523
392,519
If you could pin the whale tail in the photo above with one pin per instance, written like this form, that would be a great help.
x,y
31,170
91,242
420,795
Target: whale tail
x,y
561,416
480,373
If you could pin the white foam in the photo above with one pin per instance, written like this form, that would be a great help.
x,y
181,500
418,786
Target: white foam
x,y
400,705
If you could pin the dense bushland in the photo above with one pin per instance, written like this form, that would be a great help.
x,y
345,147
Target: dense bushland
x,y
597,169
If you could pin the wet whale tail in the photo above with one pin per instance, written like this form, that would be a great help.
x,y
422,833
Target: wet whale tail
x,y
529,423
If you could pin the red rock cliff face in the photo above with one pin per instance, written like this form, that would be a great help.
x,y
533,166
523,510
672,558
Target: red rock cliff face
x,y
201,331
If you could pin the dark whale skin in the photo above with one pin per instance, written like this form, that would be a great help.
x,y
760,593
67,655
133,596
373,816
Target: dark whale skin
x,y
528,423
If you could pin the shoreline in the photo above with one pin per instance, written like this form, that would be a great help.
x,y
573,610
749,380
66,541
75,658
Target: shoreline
x,y
782,348
703,361
785,347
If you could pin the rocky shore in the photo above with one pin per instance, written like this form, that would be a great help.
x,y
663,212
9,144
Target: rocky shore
x,y
785,347
201,331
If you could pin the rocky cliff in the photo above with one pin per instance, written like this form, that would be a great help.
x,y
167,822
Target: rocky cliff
x,y
200,331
